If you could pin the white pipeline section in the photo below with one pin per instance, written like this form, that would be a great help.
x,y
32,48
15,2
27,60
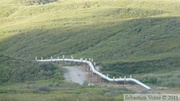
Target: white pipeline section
x,y
94,70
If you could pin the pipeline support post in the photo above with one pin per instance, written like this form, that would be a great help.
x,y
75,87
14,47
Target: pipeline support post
x,y
98,79
86,67
90,74
114,80
72,63
58,61
51,58
63,60
124,80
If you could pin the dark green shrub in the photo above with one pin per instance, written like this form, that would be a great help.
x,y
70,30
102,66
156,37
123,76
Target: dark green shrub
x,y
44,89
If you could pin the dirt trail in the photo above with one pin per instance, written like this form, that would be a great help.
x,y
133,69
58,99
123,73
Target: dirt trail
x,y
75,74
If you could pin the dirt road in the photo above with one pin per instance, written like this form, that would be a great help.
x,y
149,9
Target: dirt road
x,y
75,74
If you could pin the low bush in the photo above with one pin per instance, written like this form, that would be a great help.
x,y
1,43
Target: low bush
x,y
35,2
44,89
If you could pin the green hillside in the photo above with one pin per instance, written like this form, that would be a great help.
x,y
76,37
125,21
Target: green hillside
x,y
139,37
14,70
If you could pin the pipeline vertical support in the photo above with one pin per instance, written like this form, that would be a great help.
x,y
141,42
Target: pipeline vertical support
x,y
81,62
124,80
94,64
51,58
114,79
71,57
63,61
90,74
72,62
86,68
98,79
58,61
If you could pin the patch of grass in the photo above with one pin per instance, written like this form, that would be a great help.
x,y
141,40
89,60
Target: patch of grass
x,y
46,92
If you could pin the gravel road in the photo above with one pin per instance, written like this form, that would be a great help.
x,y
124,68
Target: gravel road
x,y
75,74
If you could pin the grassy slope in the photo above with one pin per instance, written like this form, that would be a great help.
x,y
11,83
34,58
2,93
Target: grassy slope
x,y
14,70
135,33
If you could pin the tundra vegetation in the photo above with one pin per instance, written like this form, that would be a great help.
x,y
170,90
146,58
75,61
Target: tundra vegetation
x,y
124,37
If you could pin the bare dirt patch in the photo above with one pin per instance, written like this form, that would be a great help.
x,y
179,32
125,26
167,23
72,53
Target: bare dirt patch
x,y
75,74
